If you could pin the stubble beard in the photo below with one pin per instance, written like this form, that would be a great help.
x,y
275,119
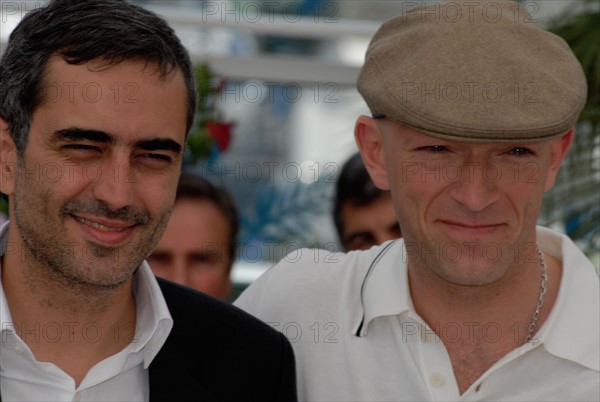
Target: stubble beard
x,y
80,270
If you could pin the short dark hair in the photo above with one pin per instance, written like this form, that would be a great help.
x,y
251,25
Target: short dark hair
x,y
354,186
80,31
193,187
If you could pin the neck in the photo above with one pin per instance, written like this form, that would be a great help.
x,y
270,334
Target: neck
x,y
55,294
480,324
72,325
511,298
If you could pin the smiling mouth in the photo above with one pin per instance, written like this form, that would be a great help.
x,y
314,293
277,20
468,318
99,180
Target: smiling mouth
x,y
469,226
99,226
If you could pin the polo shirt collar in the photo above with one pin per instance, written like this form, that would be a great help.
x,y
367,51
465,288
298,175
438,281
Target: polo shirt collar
x,y
384,290
572,329
154,322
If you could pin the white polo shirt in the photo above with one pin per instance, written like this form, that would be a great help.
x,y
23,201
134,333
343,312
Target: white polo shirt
x,y
356,335
120,377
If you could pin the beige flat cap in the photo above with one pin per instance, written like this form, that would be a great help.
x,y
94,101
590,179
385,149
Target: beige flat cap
x,y
478,71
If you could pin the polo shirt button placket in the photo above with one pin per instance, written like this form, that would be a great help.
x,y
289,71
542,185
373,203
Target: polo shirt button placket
x,y
437,379
428,336
19,350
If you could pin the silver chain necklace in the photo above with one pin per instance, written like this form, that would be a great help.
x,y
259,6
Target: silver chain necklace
x,y
540,301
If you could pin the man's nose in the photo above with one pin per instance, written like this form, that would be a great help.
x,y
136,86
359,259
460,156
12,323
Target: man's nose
x,y
113,184
475,189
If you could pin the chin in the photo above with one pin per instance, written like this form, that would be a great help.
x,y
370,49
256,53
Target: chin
x,y
472,274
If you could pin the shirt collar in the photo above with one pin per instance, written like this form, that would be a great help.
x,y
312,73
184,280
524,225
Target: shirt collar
x,y
571,331
573,328
154,322
5,316
384,290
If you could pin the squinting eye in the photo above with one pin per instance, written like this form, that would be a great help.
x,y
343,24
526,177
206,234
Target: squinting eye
x,y
520,151
156,157
434,148
159,258
81,150
200,259
80,147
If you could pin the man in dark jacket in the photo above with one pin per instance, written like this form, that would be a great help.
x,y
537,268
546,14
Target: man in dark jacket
x,y
96,99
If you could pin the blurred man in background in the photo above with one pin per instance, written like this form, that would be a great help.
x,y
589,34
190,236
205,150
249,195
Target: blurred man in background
x,y
363,214
198,247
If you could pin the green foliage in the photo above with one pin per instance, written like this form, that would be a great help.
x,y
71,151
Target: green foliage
x,y
581,30
200,143
574,202
207,88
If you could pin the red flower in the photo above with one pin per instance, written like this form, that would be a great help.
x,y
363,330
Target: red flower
x,y
220,132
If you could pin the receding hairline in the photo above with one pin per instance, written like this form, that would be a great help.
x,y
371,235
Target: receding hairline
x,y
101,64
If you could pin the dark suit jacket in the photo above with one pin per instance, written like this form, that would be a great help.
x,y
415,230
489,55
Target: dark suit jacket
x,y
217,352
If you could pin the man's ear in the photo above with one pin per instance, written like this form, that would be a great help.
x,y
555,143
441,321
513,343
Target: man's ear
x,y
369,139
560,147
8,159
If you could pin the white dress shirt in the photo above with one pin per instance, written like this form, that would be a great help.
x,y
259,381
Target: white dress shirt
x,y
121,377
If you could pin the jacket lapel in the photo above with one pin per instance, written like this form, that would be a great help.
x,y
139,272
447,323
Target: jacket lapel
x,y
175,383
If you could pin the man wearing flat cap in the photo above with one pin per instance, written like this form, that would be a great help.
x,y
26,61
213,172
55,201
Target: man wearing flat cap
x,y
473,109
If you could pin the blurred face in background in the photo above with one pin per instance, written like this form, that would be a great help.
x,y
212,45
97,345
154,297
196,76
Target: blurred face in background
x,y
194,250
365,226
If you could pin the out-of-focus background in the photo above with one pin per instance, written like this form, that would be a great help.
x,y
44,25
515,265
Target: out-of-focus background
x,y
280,103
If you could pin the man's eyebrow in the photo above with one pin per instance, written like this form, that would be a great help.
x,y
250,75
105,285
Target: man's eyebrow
x,y
205,253
160,253
159,144
366,234
82,134
394,226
